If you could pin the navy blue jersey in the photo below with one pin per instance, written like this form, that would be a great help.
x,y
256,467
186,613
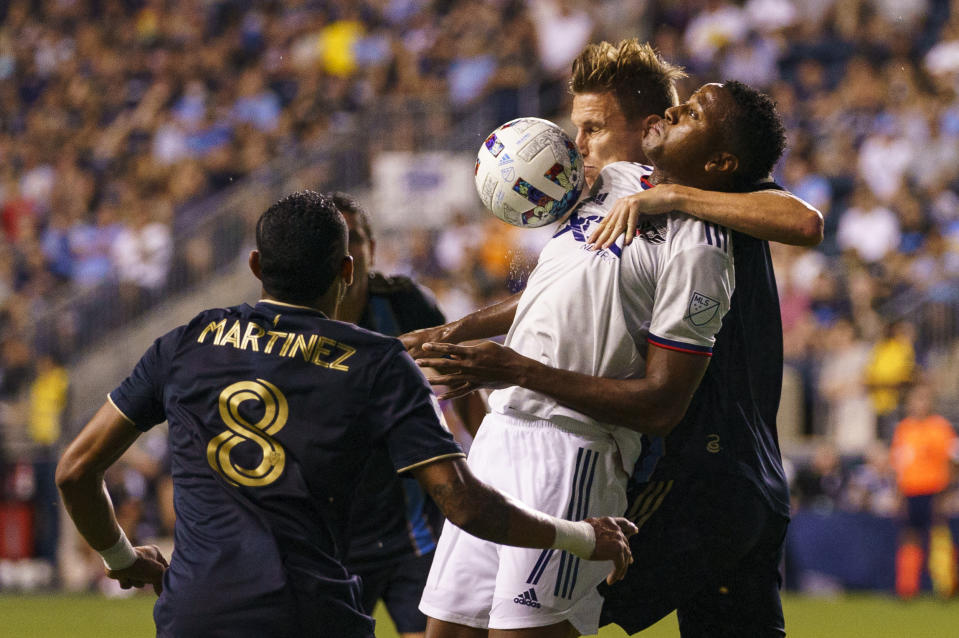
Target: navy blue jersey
x,y
730,426
274,412
393,518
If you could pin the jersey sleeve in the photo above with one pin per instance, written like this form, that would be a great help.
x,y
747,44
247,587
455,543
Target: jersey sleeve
x,y
139,397
693,290
406,412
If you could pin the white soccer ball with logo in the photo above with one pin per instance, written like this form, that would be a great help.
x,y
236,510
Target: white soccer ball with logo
x,y
529,173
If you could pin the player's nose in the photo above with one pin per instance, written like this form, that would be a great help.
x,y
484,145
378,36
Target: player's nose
x,y
581,143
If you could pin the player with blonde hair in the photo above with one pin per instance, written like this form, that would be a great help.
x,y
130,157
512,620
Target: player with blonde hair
x,y
720,437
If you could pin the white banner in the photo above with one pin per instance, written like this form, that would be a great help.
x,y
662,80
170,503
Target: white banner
x,y
421,189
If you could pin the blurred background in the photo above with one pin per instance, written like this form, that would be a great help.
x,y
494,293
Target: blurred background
x,y
140,139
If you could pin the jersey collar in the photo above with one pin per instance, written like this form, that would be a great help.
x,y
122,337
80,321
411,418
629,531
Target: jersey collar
x,y
274,302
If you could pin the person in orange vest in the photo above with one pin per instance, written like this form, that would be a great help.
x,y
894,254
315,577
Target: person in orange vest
x,y
924,449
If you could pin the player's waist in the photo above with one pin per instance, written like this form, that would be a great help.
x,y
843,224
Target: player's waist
x,y
627,441
582,426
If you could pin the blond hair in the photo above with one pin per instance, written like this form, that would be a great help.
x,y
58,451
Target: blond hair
x,y
641,80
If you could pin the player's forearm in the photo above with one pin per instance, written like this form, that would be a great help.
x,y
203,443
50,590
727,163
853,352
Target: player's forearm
x,y
79,475
491,515
771,215
485,323
89,505
649,405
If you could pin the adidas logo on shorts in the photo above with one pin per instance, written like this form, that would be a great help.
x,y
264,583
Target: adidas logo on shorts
x,y
528,598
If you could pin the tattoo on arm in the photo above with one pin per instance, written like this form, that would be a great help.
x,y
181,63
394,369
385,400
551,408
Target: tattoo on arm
x,y
476,508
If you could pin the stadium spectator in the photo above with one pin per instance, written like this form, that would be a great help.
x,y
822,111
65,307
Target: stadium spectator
x,y
891,368
925,449
850,423
871,484
141,254
819,484
868,228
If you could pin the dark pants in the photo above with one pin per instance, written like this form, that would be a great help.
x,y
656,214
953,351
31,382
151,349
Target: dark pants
x,y
400,585
709,548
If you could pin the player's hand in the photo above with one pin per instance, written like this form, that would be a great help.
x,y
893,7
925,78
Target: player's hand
x,y
413,341
625,213
612,543
147,570
465,369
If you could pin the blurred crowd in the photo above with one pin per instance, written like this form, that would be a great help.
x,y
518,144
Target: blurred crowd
x,y
121,117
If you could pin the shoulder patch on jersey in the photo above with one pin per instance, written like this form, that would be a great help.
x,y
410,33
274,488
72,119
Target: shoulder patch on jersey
x,y
701,309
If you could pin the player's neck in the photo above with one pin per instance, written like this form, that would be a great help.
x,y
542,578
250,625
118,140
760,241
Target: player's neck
x,y
354,302
695,181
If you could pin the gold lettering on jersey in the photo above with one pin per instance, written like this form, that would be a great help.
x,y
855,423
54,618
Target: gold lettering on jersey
x,y
286,344
214,326
347,353
274,335
251,338
232,336
247,335
275,415
300,345
322,351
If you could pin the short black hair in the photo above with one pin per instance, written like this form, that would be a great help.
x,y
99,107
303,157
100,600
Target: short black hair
x,y
302,243
347,204
755,133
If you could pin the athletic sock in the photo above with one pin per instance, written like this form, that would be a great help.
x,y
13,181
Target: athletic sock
x,y
909,559
942,561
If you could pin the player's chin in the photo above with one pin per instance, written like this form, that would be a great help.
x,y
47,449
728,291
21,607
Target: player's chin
x,y
590,173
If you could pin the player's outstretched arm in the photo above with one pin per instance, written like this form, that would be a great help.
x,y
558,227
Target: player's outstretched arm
x,y
485,323
773,215
79,478
491,515
652,405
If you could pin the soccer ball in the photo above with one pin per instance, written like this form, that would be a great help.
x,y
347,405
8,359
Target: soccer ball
x,y
529,173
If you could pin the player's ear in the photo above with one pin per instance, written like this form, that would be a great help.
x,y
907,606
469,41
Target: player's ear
x,y
254,262
722,163
648,121
346,270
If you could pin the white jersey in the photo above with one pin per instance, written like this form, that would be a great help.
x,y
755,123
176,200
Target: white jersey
x,y
594,312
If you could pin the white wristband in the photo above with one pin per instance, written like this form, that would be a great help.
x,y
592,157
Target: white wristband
x,y
577,538
121,555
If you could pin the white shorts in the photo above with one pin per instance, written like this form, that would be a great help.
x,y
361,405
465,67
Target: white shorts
x,y
569,474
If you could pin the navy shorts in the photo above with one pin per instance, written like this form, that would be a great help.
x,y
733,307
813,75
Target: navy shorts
x,y
708,548
400,586
919,512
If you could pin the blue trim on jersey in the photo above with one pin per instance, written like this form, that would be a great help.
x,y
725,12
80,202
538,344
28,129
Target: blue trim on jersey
x,y
583,476
721,240
559,573
540,567
680,346
421,534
